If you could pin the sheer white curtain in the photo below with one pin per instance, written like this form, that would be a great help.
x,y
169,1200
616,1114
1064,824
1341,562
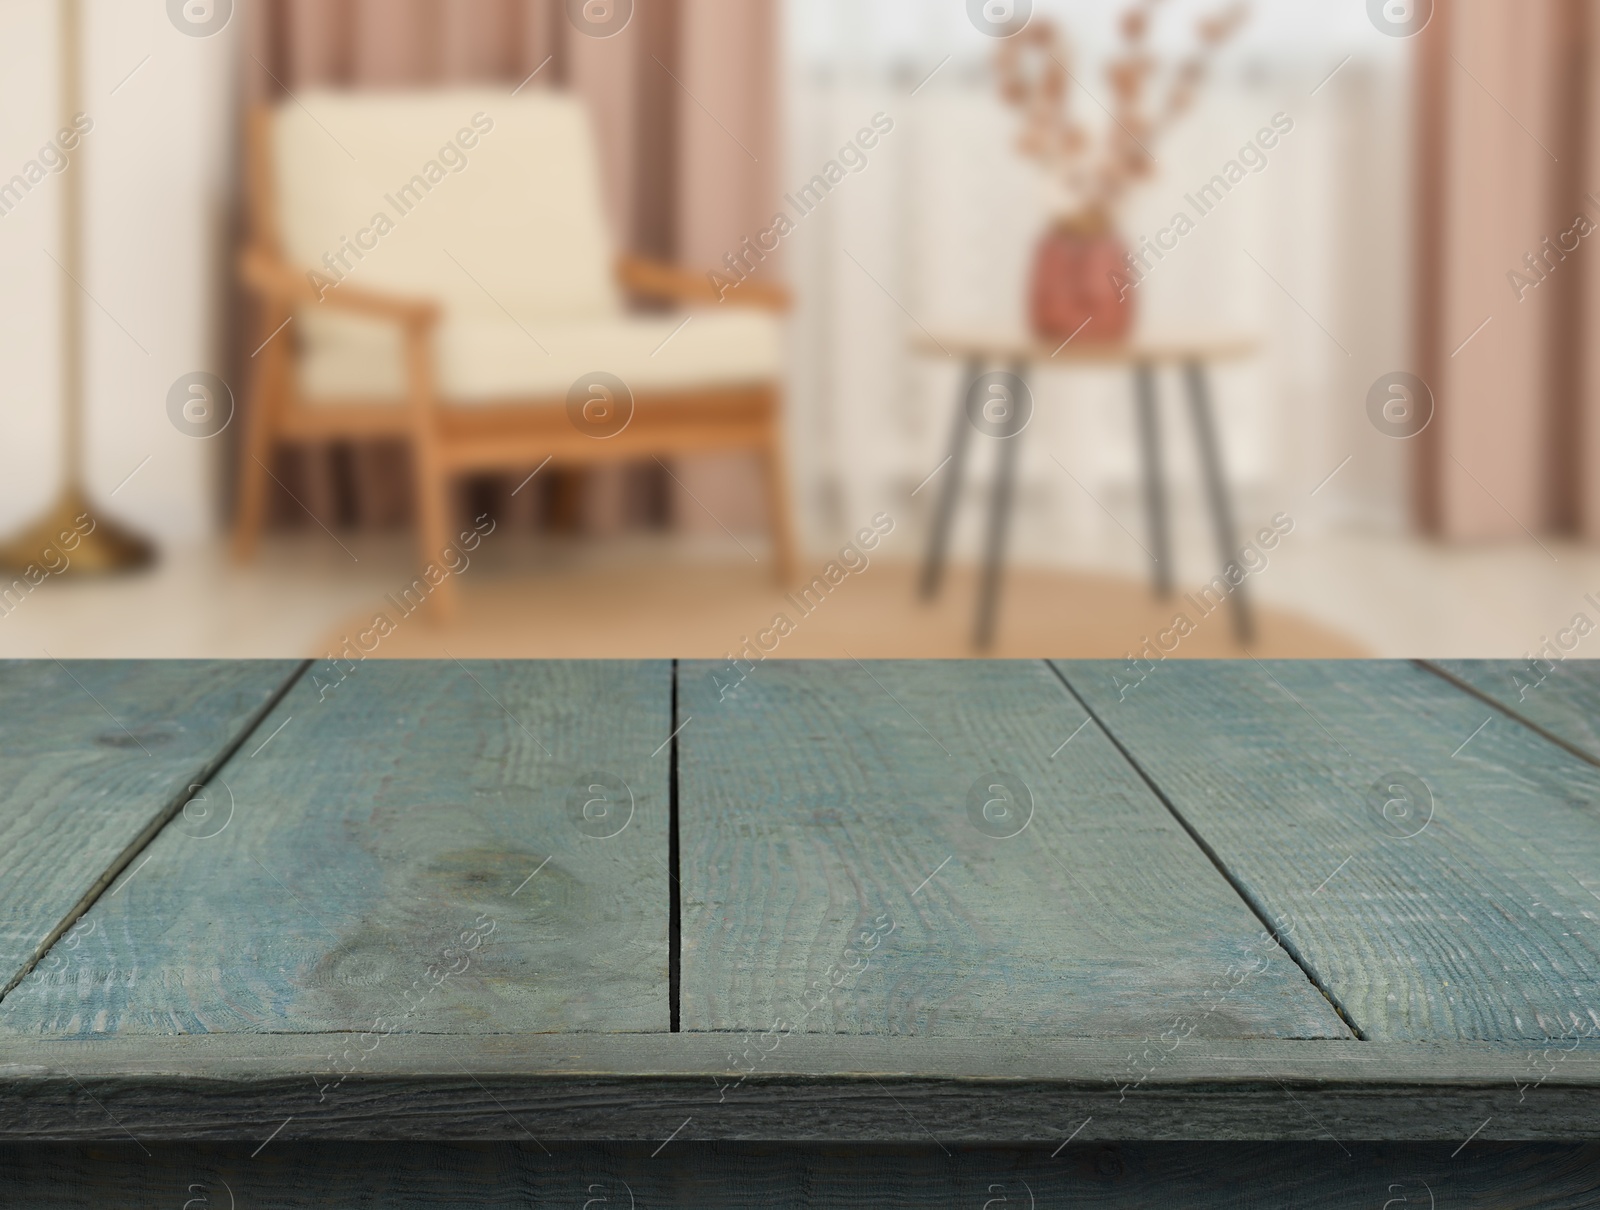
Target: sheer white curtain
x,y
1310,254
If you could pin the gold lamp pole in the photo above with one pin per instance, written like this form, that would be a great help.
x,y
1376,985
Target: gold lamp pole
x,y
66,527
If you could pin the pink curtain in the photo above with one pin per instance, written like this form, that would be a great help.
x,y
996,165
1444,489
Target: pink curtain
x,y
727,190
1505,156
684,102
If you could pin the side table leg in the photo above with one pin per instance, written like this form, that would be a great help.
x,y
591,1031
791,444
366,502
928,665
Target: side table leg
x,y
1217,489
999,516
945,510
1155,489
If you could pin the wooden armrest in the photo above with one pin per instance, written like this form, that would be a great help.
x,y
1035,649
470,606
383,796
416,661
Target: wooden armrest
x,y
656,279
272,276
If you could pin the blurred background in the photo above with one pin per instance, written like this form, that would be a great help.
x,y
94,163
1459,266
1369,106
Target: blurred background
x,y
1421,211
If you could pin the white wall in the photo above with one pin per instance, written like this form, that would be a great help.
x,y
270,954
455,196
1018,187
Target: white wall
x,y
157,174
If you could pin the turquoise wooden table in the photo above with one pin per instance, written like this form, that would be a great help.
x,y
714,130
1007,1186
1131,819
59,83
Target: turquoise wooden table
x,y
813,933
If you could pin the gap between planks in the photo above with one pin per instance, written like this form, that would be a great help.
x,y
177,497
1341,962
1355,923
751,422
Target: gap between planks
x,y
1249,900
153,829
1444,674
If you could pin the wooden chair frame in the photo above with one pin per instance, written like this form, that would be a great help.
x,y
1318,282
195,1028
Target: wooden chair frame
x,y
446,441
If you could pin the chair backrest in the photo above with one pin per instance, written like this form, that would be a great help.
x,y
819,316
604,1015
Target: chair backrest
x,y
485,202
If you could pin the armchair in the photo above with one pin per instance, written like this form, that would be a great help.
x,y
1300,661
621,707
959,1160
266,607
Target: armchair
x,y
435,267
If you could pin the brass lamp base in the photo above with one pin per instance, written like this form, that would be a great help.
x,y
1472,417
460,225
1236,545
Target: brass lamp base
x,y
62,542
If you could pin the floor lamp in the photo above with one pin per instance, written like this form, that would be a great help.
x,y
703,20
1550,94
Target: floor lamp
x,y
108,546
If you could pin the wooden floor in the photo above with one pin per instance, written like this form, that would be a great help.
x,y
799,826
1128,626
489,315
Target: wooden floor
x,y
1014,924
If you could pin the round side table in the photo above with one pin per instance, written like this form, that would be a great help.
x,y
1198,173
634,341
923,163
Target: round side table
x,y
1020,354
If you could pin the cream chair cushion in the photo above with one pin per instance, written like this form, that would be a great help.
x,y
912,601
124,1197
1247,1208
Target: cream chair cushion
x,y
491,205
482,361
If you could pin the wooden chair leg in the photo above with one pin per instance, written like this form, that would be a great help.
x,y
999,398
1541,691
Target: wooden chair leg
x,y
432,480
433,528
259,443
780,518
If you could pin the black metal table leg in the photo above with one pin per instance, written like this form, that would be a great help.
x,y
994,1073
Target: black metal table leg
x,y
1155,489
999,515
1217,490
945,510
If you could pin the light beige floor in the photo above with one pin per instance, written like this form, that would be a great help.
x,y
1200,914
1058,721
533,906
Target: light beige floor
x,y
1333,594
715,611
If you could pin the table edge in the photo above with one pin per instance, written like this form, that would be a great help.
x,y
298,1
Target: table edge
x,y
846,1089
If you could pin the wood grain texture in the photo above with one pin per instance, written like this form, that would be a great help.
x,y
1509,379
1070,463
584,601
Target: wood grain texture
x,y
820,799
1561,698
376,870
93,754
820,1087
1185,1176
1474,917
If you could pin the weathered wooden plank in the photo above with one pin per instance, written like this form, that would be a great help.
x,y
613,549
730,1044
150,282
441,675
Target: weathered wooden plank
x,y
415,846
1185,1176
1560,698
840,826
1436,865
94,755
819,1087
